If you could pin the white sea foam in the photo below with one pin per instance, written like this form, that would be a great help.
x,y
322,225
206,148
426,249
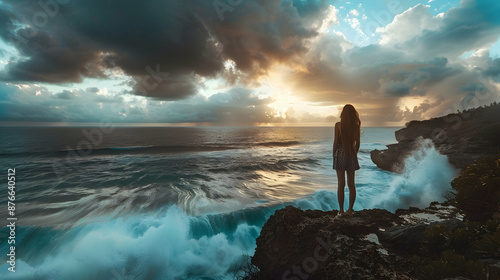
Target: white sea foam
x,y
426,178
141,248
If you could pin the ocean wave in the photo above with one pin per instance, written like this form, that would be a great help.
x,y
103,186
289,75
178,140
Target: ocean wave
x,y
131,148
426,178
140,247
134,150
169,244
277,166
279,144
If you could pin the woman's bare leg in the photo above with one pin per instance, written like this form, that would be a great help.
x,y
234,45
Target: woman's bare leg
x,y
352,191
340,189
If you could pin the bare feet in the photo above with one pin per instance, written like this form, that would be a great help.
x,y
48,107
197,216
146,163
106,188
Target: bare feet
x,y
349,212
341,213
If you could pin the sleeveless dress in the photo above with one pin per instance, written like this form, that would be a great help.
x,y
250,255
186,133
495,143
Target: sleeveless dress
x,y
344,161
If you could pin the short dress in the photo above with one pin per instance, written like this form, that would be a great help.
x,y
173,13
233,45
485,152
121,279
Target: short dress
x,y
344,161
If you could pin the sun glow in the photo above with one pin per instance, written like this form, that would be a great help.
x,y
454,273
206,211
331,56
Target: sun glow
x,y
411,102
288,105
284,104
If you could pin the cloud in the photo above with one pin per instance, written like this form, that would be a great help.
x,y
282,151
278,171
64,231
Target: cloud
x,y
418,55
66,95
164,88
92,89
416,113
396,88
34,103
185,38
468,27
309,117
354,13
472,87
31,103
408,24
168,50
330,18
493,70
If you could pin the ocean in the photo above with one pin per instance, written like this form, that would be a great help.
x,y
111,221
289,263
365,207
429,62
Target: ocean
x,y
180,202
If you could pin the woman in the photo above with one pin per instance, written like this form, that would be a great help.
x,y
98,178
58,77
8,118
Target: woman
x,y
345,154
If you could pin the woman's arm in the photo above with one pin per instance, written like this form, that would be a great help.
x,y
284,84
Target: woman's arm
x,y
358,139
336,141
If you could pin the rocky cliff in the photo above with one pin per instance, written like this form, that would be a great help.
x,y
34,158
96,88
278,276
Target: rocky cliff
x,y
373,244
462,137
431,243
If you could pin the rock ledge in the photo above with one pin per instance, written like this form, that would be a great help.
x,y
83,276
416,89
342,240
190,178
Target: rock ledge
x,y
372,244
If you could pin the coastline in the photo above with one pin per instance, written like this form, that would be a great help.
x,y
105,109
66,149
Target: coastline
x,y
439,241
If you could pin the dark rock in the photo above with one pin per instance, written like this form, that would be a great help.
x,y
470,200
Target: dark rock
x,y
462,137
394,157
372,244
405,239
410,210
451,225
320,245
352,258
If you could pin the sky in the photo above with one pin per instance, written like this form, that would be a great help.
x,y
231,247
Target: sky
x,y
245,62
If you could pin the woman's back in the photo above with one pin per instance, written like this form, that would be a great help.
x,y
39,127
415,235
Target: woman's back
x,y
345,154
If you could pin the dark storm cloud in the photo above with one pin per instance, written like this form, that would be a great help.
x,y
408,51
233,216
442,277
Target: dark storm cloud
x,y
397,88
164,87
7,19
472,87
86,38
184,38
49,52
415,78
493,70
262,32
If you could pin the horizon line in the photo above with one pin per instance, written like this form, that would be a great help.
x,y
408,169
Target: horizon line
x,y
185,124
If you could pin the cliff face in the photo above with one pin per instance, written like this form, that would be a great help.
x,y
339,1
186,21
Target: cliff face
x,y
373,244
462,137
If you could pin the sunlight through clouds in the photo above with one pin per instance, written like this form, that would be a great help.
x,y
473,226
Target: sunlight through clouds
x,y
291,62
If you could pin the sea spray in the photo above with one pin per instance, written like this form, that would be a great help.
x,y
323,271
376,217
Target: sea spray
x,y
142,247
426,178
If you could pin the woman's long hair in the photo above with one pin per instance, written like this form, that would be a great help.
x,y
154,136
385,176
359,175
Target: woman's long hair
x,y
349,128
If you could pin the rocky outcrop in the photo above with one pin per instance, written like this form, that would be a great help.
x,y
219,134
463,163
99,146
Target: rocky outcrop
x,y
313,244
462,137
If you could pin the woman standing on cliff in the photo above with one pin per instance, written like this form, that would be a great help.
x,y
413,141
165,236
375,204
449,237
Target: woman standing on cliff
x,y
345,154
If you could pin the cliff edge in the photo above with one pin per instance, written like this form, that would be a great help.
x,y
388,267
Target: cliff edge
x,y
463,137
372,244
